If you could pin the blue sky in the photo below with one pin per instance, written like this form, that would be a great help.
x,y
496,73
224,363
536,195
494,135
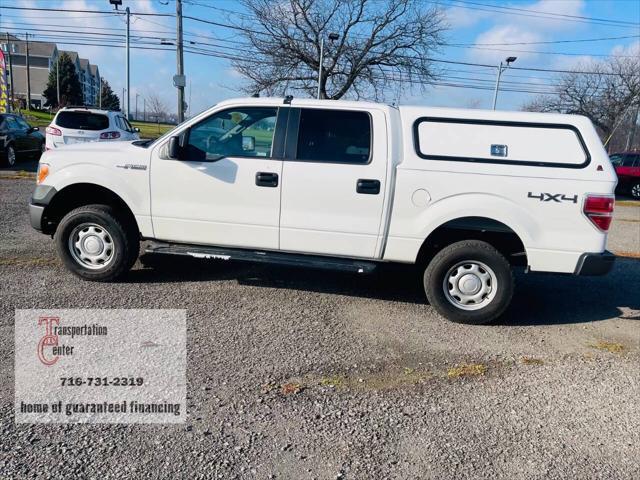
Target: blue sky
x,y
477,24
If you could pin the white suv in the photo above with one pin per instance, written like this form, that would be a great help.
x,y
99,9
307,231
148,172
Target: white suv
x,y
78,125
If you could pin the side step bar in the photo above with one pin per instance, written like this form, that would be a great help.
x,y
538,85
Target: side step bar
x,y
262,256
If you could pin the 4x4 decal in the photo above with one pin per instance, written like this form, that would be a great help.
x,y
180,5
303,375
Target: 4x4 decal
x,y
553,197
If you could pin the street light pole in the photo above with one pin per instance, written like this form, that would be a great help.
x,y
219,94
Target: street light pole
x,y
332,37
320,65
137,95
501,68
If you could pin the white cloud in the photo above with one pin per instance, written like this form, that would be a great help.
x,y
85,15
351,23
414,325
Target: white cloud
x,y
528,27
458,17
632,49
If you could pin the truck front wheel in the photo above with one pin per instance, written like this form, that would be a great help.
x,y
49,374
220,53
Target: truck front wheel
x,y
469,282
96,243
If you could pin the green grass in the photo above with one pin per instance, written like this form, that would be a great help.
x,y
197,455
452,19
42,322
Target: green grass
x,y
152,130
147,129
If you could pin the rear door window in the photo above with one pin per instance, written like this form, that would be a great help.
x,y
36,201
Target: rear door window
x,y
630,161
616,160
337,136
82,120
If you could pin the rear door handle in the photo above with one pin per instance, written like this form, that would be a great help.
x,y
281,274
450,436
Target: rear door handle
x,y
368,187
266,179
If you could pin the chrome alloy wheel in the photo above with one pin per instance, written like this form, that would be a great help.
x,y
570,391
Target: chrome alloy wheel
x,y
470,285
91,246
635,191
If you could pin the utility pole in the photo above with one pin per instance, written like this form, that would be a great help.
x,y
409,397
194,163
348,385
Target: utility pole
x,y
128,13
137,95
144,109
10,72
100,93
28,74
58,78
180,61
501,68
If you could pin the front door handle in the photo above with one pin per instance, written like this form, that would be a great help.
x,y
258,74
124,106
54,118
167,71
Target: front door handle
x,y
266,179
368,187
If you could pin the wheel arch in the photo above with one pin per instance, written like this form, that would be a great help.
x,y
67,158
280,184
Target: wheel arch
x,y
490,230
78,194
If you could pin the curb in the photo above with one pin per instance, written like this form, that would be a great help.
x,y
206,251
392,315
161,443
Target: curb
x,y
627,203
17,175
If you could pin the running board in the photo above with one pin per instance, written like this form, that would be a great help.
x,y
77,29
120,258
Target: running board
x,y
262,256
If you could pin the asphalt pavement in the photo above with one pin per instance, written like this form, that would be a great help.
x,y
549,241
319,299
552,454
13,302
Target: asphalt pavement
x,y
298,373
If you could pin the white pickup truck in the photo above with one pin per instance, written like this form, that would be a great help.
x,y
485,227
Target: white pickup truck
x,y
464,194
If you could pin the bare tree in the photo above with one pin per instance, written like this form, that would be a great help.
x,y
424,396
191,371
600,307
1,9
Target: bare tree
x,y
378,44
156,108
607,92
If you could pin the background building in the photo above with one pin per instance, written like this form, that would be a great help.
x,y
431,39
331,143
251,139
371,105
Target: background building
x,y
42,59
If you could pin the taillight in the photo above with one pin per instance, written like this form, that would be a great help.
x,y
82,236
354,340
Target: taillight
x,y
109,135
599,209
53,131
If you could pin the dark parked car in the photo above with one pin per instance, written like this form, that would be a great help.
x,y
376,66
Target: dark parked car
x,y
18,139
627,165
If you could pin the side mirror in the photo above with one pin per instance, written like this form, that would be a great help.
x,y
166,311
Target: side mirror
x,y
248,144
173,149
136,129
33,129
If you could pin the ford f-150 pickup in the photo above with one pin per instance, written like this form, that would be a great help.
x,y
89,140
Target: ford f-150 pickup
x,y
464,194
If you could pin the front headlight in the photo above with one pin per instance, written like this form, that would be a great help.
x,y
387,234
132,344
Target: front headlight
x,y
43,172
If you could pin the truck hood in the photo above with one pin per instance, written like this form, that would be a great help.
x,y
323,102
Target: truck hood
x,y
100,154
95,147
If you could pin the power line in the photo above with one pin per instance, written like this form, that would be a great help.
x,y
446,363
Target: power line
x,y
71,10
570,54
555,14
393,75
547,42
535,13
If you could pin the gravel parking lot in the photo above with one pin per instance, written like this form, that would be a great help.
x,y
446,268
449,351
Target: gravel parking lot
x,y
296,373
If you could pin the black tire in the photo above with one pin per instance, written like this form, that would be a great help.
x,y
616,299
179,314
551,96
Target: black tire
x,y
494,281
635,190
7,156
123,244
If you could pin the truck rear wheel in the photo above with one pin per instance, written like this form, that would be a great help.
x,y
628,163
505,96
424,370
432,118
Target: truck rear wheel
x,y
95,243
469,282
